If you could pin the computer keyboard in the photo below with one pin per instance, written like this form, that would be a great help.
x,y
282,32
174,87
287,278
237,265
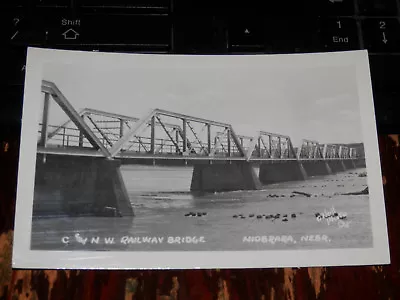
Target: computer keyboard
x,y
206,27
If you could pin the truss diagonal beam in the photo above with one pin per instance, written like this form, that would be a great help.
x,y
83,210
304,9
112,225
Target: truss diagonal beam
x,y
188,143
168,134
218,142
131,132
265,147
236,141
63,125
52,89
196,137
100,131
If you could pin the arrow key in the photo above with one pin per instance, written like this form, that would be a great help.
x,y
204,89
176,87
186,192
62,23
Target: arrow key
x,y
382,35
246,34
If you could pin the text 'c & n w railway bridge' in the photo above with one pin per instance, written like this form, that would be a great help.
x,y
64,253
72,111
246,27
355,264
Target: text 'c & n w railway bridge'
x,y
81,158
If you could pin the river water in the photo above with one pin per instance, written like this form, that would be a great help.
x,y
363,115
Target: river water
x,y
165,208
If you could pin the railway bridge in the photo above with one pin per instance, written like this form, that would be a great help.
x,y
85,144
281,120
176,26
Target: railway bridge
x,y
78,162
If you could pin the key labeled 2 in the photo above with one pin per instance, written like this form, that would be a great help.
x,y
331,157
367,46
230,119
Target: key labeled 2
x,y
381,35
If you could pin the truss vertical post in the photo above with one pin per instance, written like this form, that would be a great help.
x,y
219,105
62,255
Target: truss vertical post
x,y
259,147
270,145
161,146
279,147
177,139
228,132
63,136
80,142
290,148
80,139
184,135
299,150
121,128
316,150
340,151
291,153
209,138
153,135
324,151
45,119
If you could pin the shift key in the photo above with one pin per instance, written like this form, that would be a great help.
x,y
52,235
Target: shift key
x,y
135,30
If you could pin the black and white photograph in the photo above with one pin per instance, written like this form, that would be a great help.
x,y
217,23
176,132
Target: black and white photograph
x,y
149,161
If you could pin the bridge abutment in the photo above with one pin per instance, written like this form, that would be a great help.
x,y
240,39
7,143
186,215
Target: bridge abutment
x,y
77,186
224,177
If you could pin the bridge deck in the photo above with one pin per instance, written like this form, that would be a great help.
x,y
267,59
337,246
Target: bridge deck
x,y
87,152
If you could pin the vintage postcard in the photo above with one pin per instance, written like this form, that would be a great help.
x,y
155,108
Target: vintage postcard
x,y
132,161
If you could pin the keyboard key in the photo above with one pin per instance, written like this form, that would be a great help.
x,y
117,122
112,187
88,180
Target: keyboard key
x,y
336,7
200,35
386,91
283,8
10,21
387,107
139,30
293,35
378,7
23,29
339,34
62,28
41,26
11,110
246,34
381,35
384,72
204,7
14,65
126,3
249,7
54,3
15,3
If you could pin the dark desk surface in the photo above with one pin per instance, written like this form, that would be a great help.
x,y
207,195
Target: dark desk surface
x,y
377,282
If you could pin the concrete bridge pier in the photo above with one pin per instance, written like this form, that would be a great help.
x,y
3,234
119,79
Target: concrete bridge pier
x,y
218,177
316,168
349,164
274,172
336,166
74,186
360,163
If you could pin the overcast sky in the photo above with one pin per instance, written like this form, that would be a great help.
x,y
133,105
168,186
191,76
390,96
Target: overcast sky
x,y
316,103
